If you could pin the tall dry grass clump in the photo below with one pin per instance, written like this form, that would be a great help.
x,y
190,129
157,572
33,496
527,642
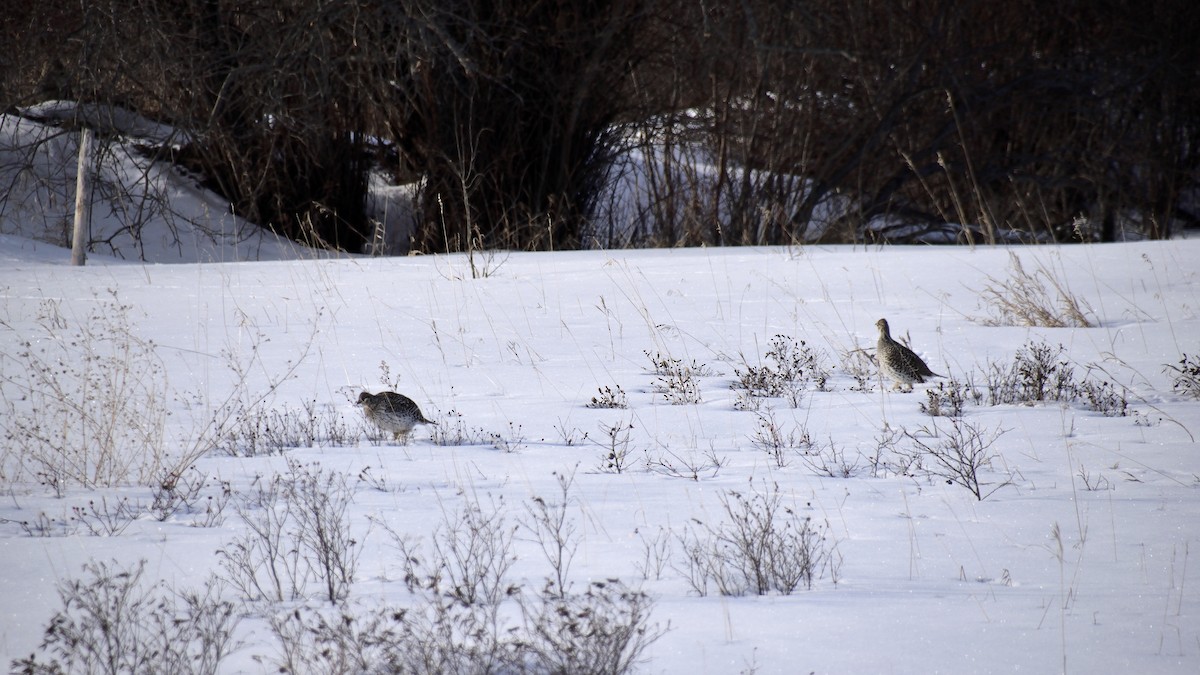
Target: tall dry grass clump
x,y
1037,298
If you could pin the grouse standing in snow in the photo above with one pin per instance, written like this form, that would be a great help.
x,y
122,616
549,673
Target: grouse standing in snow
x,y
899,362
392,412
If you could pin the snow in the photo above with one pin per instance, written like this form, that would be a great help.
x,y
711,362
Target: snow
x,y
931,580
142,209
1081,563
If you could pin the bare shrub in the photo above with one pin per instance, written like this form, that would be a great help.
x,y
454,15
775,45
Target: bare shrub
x,y
470,556
607,398
1040,298
1185,378
102,519
1041,373
332,643
689,465
87,404
1105,398
98,518
744,400
553,531
1037,373
451,429
948,399
261,431
860,365
234,424
321,501
656,554
570,436
307,426
264,564
44,525
883,458
779,444
175,491
182,491
791,366
615,446
830,459
605,629
958,455
513,441
461,587
111,623
761,547
678,382
299,532
460,580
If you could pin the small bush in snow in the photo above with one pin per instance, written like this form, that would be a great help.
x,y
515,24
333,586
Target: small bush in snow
x,y
958,454
859,364
616,451
111,623
1104,398
603,630
779,444
884,458
105,519
676,381
512,442
259,431
761,547
450,429
181,492
468,616
299,532
790,367
85,405
607,398
554,531
688,464
948,399
1186,376
1040,373
830,460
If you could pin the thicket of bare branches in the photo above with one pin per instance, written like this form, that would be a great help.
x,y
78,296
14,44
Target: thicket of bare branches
x,y
751,121
508,111
1061,123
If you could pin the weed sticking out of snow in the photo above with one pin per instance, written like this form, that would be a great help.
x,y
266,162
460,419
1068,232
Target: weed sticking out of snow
x,y
1185,378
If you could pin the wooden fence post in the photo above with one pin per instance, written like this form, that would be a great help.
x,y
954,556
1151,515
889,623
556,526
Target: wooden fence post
x,y
83,199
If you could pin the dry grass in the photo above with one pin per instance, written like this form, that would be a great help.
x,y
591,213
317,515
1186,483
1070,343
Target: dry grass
x,y
84,402
1038,298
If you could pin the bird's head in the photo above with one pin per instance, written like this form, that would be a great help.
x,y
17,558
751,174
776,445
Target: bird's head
x,y
882,325
364,397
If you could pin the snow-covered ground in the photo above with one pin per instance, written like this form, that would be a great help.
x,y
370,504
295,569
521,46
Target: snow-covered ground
x,y
1081,564
1077,559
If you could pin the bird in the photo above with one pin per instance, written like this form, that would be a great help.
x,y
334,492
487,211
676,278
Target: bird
x,y
392,412
899,362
